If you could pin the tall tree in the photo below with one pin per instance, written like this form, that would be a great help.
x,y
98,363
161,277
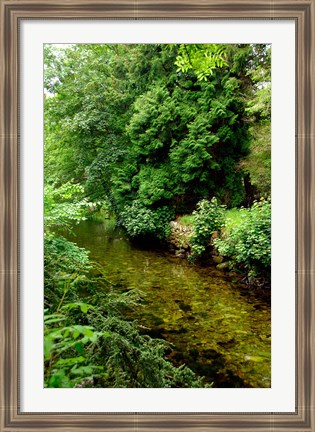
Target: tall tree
x,y
135,123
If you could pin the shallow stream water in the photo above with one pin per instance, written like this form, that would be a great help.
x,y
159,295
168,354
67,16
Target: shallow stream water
x,y
215,326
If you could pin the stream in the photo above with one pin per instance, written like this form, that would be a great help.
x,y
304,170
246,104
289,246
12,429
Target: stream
x,y
216,327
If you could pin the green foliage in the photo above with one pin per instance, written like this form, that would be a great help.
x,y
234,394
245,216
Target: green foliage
x,y
202,59
65,255
258,109
259,105
64,205
232,219
133,127
66,349
66,265
249,244
185,143
208,218
79,115
66,269
154,184
149,130
258,162
98,173
187,220
140,221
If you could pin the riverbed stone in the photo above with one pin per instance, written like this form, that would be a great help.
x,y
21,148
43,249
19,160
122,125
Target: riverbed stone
x,y
181,253
225,266
217,259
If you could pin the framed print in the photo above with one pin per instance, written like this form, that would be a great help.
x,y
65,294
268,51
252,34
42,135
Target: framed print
x,y
59,43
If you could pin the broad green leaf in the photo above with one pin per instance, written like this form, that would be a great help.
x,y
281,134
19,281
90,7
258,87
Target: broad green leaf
x,y
48,346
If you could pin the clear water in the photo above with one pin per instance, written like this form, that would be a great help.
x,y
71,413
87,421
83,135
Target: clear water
x,y
214,325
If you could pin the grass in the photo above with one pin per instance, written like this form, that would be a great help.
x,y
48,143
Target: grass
x,y
233,218
186,220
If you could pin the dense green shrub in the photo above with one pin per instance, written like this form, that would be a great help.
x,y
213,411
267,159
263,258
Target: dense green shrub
x,y
65,255
249,244
126,135
66,273
141,221
208,218
67,363
64,205
66,267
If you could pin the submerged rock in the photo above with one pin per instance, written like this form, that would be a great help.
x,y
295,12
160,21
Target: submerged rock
x,y
180,253
217,259
225,266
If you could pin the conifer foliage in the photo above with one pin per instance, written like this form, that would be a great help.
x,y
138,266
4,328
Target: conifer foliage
x,y
159,125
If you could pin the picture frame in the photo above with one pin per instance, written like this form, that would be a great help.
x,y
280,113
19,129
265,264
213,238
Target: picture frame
x,y
12,12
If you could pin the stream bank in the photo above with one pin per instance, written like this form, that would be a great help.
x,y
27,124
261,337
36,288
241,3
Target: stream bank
x,y
211,322
179,244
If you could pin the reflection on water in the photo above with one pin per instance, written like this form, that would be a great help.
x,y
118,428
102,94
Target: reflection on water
x,y
215,329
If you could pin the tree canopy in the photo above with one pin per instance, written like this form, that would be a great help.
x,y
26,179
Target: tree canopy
x,y
154,126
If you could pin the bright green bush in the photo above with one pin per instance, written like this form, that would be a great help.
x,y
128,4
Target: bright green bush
x,y
140,221
66,348
65,255
248,245
208,218
67,333
66,268
66,265
64,205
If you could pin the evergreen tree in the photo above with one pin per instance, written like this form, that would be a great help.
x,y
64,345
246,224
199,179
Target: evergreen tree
x,y
136,124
